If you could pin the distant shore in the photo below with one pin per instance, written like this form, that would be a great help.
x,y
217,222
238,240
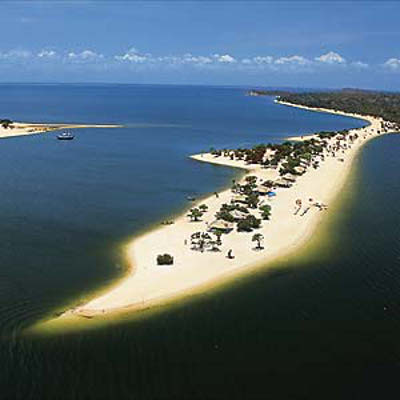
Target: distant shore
x,y
148,284
323,110
27,128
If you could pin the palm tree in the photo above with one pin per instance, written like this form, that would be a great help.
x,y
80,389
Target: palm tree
x,y
258,237
218,234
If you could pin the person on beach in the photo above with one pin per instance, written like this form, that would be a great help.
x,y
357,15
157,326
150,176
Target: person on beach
x,y
216,195
230,256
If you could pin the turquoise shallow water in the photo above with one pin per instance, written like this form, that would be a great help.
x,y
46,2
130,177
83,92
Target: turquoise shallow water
x,y
324,323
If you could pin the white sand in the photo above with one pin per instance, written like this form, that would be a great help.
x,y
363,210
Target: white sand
x,y
23,128
147,284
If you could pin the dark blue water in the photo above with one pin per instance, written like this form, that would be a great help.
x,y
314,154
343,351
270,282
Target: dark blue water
x,y
324,323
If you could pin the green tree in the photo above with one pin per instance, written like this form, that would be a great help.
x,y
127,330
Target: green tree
x,y
265,211
251,180
195,214
203,208
252,200
248,224
165,259
244,226
218,234
225,215
258,237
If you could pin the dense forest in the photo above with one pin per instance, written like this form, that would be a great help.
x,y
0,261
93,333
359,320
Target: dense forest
x,y
379,104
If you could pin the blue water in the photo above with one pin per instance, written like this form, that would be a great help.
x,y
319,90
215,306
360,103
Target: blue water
x,y
67,207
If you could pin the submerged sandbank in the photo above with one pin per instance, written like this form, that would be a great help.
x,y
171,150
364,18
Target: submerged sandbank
x,y
148,284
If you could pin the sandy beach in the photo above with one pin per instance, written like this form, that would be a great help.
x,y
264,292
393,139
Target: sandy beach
x,y
148,284
26,128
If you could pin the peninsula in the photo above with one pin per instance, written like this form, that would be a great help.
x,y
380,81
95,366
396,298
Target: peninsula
x,y
275,208
9,128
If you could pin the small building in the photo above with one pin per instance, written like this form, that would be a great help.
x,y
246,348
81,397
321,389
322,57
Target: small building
x,y
238,215
239,198
282,183
300,170
290,177
262,190
304,161
220,225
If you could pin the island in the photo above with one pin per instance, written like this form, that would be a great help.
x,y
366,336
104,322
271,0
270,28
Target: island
x,y
275,207
9,128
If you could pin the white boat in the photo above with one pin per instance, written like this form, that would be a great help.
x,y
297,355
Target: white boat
x,y
65,136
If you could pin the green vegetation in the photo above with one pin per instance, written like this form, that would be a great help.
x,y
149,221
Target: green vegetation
x,y
6,123
252,200
378,104
225,215
248,224
258,237
195,214
218,234
363,102
265,211
165,259
293,158
203,208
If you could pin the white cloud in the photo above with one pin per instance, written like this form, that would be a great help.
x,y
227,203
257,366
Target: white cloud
x,y
84,56
331,58
136,59
15,54
392,64
47,54
292,60
263,59
199,60
225,58
133,55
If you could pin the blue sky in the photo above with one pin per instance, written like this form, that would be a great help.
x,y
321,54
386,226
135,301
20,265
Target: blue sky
x,y
295,43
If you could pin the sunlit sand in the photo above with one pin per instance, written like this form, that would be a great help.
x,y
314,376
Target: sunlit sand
x,y
148,284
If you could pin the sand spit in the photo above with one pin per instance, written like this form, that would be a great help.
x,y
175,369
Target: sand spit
x,y
148,284
25,128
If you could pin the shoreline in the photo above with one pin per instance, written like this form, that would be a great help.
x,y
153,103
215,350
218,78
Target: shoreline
x,y
27,128
147,285
322,110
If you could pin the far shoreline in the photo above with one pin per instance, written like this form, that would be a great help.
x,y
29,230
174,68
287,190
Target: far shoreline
x,y
321,110
16,129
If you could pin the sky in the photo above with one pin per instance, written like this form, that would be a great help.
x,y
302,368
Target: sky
x,y
262,43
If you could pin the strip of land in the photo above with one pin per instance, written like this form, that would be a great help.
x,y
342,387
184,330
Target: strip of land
x,y
24,128
200,259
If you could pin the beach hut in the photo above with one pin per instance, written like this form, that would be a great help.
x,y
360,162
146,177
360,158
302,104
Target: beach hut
x,y
239,198
300,170
220,225
262,190
304,161
282,183
290,178
238,214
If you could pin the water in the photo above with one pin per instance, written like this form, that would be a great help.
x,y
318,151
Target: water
x,y
323,324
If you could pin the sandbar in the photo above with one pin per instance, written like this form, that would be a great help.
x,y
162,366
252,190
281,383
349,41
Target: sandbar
x,y
147,284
